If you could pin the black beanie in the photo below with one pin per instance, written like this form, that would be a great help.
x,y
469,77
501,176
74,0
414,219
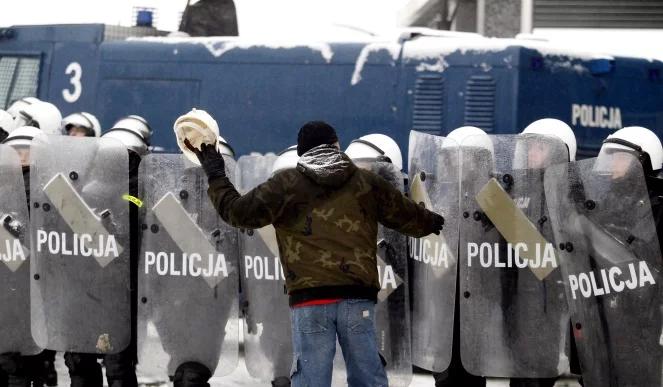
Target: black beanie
x,y
313,134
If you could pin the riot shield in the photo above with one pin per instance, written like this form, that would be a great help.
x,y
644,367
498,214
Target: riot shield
x,y
80,289
435,183
267,333
392,311
187,273
514,318
610,260
15,334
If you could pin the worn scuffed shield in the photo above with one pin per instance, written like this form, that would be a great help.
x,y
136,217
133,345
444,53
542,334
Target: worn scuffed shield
x,y
267,333
15,334
187,273
435,184
514,319
392,311
611,264
80,289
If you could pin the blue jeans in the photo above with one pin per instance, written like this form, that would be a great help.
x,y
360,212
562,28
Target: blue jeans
x,y
314,332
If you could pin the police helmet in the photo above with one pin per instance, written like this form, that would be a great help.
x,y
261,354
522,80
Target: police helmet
x,y
137,124
224,147
129,131
469,136
287,159
22,137
84,120
20,104
555,128
643,142
376,147
38,114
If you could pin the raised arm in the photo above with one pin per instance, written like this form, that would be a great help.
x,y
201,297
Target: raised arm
x,y
257,208
398,212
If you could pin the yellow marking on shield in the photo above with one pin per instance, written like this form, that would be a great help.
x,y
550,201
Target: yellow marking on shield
x,y
133,199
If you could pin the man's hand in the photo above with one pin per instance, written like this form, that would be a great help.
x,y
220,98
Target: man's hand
x,y
210,159
438,222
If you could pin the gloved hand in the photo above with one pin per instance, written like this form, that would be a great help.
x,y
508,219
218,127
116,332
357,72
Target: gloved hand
x,y
438,222
210,159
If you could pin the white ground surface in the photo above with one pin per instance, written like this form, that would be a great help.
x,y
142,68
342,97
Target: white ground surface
x,y
241,378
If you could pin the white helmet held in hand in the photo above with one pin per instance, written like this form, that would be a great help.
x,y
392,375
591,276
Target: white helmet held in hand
x,y
375,147
287,159
470,136
83,120
129,131
39,114
198,127
642,141
555,128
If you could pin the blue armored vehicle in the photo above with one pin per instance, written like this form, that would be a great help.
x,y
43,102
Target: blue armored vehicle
x,y
262,91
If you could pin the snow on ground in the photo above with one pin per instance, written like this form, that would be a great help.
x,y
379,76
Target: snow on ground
x,y
241,378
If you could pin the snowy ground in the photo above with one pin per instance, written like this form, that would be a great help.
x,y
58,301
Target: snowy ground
x,y
241,378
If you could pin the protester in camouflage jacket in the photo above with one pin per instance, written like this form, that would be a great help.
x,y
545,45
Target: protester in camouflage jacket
x,y
326,213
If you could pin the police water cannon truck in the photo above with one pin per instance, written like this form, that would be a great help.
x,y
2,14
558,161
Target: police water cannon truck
x,y
262,91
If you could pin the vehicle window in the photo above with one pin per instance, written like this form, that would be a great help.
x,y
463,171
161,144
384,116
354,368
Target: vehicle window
x,y
19,77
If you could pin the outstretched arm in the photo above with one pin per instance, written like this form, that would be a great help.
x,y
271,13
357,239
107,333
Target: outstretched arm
x,y
258,208
398,212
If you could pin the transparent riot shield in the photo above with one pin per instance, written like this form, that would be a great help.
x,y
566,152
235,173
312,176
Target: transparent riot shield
x,y
80,289
611,263
392,311
434,183
15,334
267,334
514,318
187,273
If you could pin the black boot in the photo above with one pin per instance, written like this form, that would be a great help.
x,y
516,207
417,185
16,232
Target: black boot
x,y
13,370
515,382
281,381
121,369
41,369
84,370
50,375
192,374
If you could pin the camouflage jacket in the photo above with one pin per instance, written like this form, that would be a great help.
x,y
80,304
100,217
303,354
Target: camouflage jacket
x,y
326,213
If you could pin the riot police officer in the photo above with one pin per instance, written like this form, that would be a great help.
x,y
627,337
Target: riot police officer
x,y
84,368
456,374
264,301
187,314
36,369
380,154
34,113
538,157
81,124
647,146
